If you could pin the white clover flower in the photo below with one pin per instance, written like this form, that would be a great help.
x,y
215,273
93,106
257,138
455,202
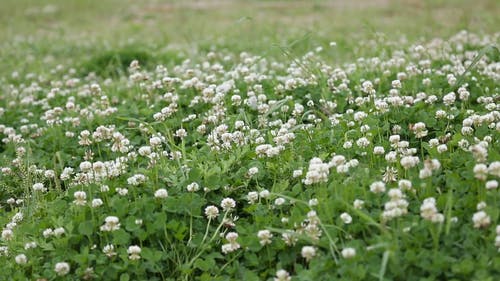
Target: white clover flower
x,y
282,275
494,169
492,184
358,204
480,171
409,161
193,187
211,212
122,191
442,148
264,237
39,187
428,211
481,219
109,250
348,253
134,252
228,204
7,234
97,202
111,223
104,188
253,171
21,259
377,187
317,172
313,202
378,150
80,198
279,201
405,185
346,218
252,197
297,173
62,268
59,231
232,245
308,252
48,232
363,142
30,245
264,194
161,193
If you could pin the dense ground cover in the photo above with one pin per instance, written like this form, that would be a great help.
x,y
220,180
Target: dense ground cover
x,y
301,158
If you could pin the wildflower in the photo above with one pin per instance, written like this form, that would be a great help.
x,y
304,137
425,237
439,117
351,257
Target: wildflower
x,y
232,245
493,184
409,161
317,172
377,187
252,197
346,218
378,150
62,268
297,173
279,201
21,259
494,169
481,219
252,171
7,234
109,250
264,237
313,202
96,203
161,193
308,252
134,252
80,198
59,231
348,253
193,187
264,194
39,187
228,204
428,211
48,232
30,245
282,275
358,204
211,212
112,223
480,171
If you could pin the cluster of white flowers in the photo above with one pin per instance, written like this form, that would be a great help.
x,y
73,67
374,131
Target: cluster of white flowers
x,y
134,252
282,275
317,172
429,167
481,219
429,211
397,205
264,237
308,252
233,245
136,179
111,223
161,193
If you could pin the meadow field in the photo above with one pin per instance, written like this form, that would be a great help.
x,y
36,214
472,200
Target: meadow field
x,y
250,140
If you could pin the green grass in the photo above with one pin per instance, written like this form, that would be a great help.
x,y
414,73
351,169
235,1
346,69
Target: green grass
x,y
234,100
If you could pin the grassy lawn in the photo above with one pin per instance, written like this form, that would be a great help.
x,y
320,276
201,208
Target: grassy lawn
x,y
251,140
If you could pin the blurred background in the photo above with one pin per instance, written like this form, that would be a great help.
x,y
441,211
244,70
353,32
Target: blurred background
x,y
70,28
